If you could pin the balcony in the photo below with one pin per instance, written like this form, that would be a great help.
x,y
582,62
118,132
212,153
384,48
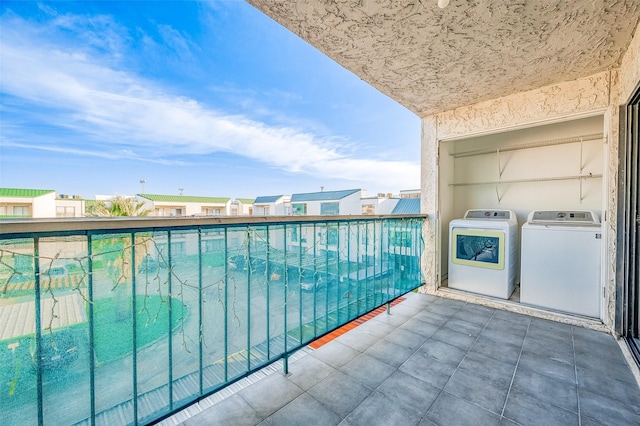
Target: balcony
x,y
129,321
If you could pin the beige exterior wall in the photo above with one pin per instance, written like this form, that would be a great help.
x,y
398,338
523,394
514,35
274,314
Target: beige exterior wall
x,y
69,207
600,94
188,209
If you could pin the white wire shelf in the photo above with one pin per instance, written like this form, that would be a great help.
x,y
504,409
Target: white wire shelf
x,y
539,144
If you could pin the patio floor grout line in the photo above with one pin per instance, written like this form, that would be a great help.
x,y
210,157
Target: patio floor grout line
x,y
575,369
513,377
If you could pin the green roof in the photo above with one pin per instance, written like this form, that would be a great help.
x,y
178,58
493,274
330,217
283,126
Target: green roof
x,y
184,198
26,193
246,200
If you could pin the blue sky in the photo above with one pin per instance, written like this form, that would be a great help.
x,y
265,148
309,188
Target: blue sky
x,y
212,97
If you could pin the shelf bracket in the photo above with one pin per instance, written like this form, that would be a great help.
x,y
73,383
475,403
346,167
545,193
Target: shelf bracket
x,y
581,157
499,176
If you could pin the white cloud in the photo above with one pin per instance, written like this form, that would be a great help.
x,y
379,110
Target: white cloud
x,y
130,117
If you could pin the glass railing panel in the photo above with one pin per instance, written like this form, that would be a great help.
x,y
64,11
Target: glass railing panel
x,y
217,273
263,273
320,277
292,290
152,328
112,325
275,291
342,269
64,336
237,293
184,314
304,286
330,275
18,361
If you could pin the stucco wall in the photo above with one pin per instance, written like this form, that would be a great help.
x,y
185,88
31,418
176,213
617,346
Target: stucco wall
x,y
630,68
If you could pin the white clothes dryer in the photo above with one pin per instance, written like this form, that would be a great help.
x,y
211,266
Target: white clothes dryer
x,y
483,252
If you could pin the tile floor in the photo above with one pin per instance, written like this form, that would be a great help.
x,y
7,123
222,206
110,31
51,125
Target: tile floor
x,y
443,362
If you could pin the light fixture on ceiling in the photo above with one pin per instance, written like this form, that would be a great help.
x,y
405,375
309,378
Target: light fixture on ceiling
x,y
443,3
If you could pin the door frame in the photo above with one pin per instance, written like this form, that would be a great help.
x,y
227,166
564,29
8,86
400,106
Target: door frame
x,y
627,319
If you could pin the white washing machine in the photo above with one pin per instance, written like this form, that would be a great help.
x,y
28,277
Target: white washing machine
x,y
483,254
561,261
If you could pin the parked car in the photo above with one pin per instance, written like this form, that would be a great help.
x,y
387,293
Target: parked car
x,y
310,281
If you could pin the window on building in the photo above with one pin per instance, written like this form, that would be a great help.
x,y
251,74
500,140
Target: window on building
x,y
234,211
410,195
3,210
299,209
178,249
65,211
211,211
368,209
329,209
213,245
169,211
21,211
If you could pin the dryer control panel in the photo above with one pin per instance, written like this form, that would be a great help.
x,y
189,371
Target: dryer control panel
x,y
488,214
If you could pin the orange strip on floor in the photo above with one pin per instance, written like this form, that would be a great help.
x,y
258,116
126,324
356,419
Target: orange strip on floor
x,y
351,325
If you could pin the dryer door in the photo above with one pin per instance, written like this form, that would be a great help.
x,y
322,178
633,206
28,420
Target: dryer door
x,y
481,248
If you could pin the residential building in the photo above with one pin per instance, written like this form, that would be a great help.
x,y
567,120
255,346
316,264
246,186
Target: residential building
x,y
327,203
410,193
26,203
380,204
70,206
272,205
242,207
185,205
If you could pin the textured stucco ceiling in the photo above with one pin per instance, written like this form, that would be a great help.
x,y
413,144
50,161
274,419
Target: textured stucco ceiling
x,y
432,60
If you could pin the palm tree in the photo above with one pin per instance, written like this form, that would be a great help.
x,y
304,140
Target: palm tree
x,y
117,206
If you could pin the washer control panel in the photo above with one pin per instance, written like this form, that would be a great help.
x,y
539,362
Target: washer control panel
x,y
566,217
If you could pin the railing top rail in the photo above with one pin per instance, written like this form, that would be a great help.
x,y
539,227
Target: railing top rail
x,y
13,227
